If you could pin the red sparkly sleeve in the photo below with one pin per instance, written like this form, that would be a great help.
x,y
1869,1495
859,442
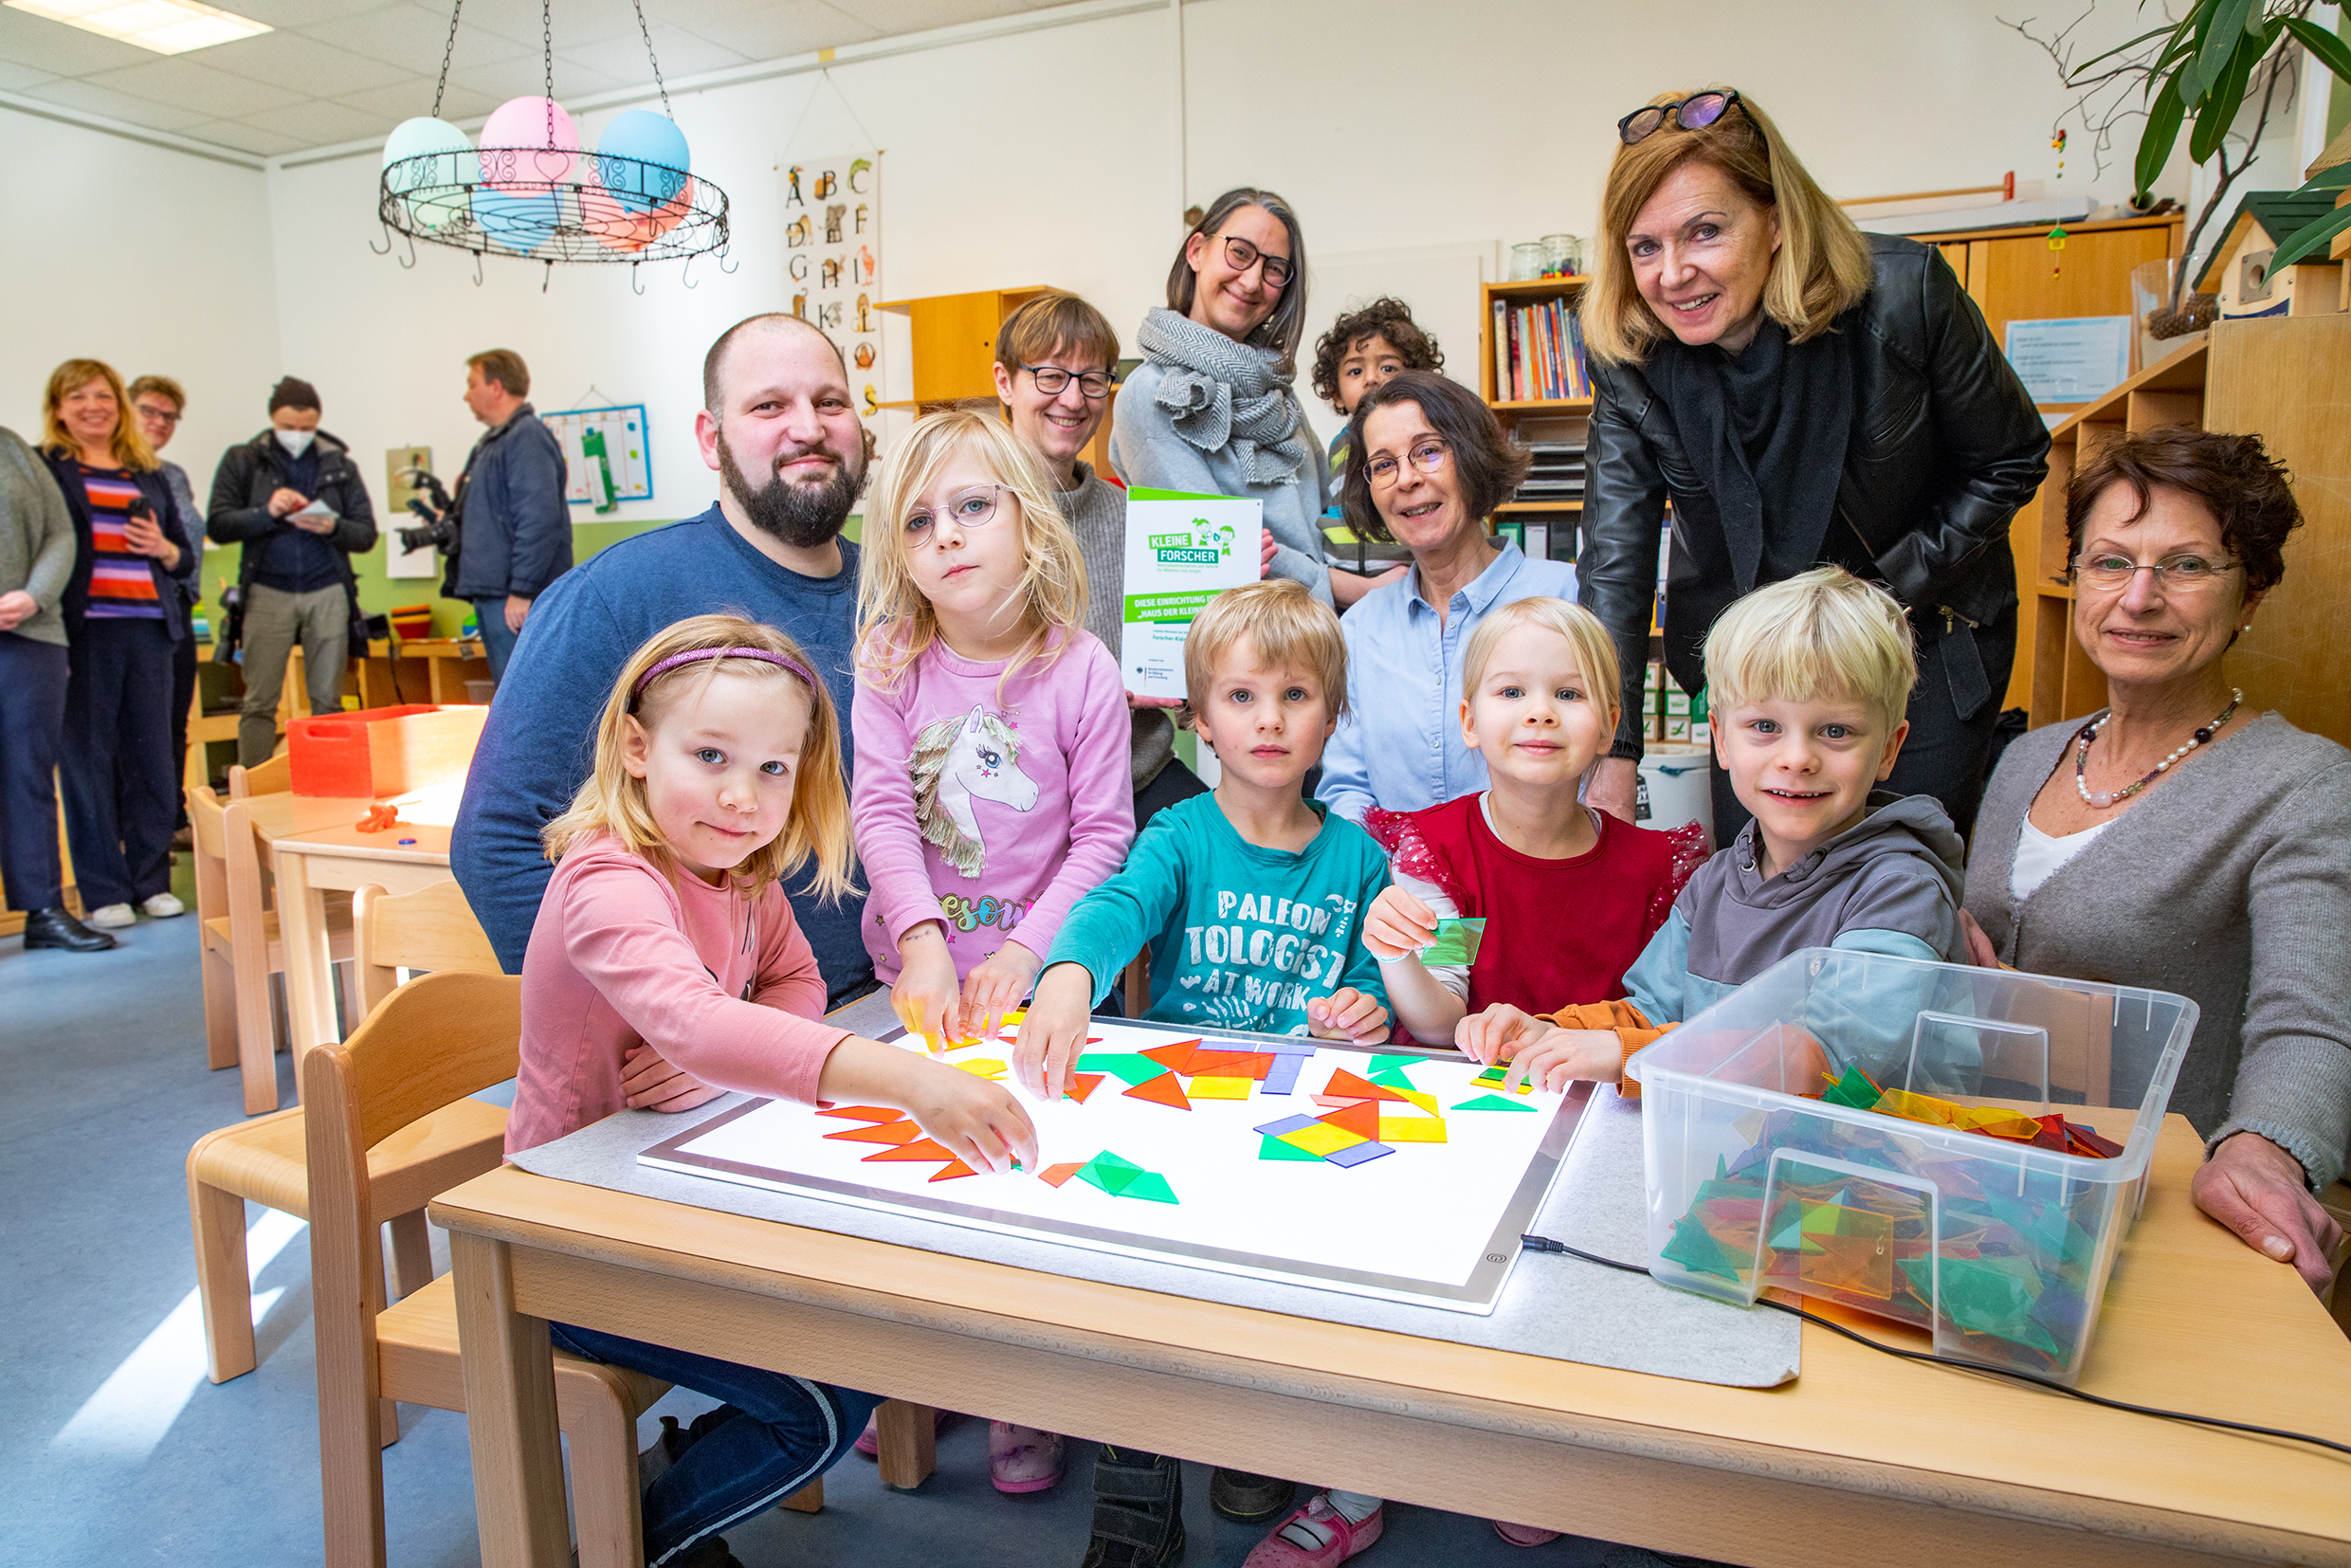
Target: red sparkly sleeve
x,y
1408,851
1688,850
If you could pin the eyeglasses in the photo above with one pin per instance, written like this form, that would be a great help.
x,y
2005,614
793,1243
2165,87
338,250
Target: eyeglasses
x,y
1428,456
162,416
972,509
2107,572
1243,255
1694,113
1052,381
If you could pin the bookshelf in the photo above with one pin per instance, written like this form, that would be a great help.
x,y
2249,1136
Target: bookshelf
x,y
1555,427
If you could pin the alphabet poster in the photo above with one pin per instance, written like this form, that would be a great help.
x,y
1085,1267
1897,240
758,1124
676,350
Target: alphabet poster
x,y
832,261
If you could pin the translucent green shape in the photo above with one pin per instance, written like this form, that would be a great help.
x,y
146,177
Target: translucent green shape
x,y
1694,1248
1456,942
1854,1089
1493,1102
1127,1066
1273,1148
1150,1186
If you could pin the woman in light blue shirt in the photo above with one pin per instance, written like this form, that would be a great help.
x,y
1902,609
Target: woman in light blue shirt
x,y
1427,464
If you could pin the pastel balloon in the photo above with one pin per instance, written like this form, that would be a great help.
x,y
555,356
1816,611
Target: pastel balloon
x,y
528,141
519,223
622,223
659,155
430,155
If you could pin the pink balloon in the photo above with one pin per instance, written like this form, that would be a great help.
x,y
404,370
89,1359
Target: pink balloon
x,y
523,144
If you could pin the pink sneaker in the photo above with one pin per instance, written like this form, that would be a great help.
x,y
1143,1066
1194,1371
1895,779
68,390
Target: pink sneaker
x,y
1022,1459
869,1441
1524,1535
1341,1538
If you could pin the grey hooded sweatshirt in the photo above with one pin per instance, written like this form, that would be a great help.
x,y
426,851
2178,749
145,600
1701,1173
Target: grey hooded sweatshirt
x,y
1890,883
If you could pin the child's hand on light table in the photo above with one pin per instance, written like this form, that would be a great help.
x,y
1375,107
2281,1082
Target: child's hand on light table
x,y
1052,1032
1398,925
925,996
1498,1032
996,986
980,1123
1560,1056
1347,1014
651,1084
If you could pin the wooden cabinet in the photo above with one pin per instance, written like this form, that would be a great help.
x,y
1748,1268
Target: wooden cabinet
x,y
955,355
2284,378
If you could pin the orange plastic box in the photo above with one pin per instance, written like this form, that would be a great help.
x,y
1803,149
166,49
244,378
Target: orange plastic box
x,y
377,752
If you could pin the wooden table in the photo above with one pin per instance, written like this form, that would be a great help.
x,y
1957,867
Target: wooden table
x,y
314,846
1862,1460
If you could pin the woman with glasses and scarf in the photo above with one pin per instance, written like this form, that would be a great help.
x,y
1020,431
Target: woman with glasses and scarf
x,y
1803,394
1209,409
2182,840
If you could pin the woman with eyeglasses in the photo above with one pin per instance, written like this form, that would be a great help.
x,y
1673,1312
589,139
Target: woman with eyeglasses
x,y
1804,394
2182,841
1427,464
1211,410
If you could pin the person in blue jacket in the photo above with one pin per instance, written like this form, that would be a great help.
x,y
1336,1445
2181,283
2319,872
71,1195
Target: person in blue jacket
x,y
516,528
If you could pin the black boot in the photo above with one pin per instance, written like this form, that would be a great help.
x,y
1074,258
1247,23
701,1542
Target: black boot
x,y
1246,1498
1139,1511
54,927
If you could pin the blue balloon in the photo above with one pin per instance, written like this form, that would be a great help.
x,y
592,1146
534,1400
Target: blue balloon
x,y
518,222
649,139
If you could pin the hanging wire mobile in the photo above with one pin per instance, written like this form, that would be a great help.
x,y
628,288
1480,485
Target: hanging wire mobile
x,y
528,190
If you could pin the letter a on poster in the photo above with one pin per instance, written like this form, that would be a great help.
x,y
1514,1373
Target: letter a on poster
x,y
1181,552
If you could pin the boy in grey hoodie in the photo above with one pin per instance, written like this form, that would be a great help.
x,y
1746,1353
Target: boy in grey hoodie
x,y
1811,677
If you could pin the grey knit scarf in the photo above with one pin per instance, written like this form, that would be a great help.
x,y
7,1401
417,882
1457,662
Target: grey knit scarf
x,y
1219,393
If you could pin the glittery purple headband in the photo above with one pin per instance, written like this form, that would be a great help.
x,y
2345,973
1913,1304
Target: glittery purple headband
x,y
696,655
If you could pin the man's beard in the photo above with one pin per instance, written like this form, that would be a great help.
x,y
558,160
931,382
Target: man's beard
x,y
800,515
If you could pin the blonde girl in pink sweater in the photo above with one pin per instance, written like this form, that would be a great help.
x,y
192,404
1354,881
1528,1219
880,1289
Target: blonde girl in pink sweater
x,y
666,968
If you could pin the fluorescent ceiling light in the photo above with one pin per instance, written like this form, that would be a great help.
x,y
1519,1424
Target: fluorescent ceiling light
x,y
167,26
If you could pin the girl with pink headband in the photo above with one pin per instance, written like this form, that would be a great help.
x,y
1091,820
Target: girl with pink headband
x,y
666,968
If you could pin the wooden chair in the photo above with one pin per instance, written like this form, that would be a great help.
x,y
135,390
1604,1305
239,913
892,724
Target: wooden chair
x,y
242,947
275,776
431,929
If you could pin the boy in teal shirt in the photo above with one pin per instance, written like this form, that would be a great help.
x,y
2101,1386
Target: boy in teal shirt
x,y
1253,897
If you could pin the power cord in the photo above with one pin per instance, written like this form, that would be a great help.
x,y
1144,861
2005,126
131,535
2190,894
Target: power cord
x,y
1546,1244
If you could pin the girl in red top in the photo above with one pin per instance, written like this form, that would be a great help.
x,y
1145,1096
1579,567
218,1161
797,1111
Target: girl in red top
x,y
1570,895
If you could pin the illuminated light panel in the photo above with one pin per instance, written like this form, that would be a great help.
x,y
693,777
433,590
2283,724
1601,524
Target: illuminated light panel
x,y
167,26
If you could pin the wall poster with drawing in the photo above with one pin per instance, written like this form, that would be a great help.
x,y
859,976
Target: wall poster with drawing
x,y
832,261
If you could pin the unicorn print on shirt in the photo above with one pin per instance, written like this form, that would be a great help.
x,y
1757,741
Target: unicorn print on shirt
x,y
958,761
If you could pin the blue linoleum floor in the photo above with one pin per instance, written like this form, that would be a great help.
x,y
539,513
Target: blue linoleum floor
x,y
118,1452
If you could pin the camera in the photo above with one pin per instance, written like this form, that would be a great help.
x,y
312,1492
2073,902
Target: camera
x,y
440,531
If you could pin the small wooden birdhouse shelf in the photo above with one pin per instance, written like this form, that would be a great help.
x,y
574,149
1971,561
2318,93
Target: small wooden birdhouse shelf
x,y
2238,270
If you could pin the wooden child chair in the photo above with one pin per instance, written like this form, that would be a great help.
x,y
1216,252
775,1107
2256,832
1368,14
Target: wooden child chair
x,y
242,947
433,928
275,776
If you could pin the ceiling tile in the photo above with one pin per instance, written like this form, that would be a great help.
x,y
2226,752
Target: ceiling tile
x,y
300,13
413,37
527,78
314,70
16,79
415,97
130,108
320,123
775,32
575,22
183,83
681,53
894,17
245,139
52,47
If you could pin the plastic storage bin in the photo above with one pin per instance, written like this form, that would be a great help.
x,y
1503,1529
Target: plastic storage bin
x,y
2002,1248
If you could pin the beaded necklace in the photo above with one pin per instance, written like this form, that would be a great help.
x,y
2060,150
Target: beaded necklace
x,y
2100,799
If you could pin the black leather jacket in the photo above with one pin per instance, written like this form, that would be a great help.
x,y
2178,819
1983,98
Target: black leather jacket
x,y
1946,447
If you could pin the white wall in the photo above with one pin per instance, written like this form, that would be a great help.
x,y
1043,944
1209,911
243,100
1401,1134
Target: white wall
x,y
1416,141
151,259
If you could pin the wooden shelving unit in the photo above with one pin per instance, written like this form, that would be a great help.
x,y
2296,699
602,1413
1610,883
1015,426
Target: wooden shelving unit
x,y
2284,378
1534,419
955,355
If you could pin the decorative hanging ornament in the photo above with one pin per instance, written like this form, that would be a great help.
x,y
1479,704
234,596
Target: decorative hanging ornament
x,y
530,190
2057,236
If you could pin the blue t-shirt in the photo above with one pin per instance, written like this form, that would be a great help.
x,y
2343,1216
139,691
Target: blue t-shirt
x,y
1242,936
539,741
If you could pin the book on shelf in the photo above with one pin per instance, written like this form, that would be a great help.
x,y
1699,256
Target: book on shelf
x,y
1538,353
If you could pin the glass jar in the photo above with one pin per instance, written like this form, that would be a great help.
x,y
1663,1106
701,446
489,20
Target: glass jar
x,y
1566,253
1528,262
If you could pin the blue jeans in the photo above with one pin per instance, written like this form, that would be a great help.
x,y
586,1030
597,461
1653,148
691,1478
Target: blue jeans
x,y
788,1431
497,641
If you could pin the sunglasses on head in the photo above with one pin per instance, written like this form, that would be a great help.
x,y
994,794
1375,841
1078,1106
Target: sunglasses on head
x,y
1694,113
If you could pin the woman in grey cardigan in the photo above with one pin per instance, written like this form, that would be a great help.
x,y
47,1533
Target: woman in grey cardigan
x,y
2181,841
1211,410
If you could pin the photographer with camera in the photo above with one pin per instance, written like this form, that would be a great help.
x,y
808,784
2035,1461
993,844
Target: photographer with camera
x,y
294,500
509,534
124,609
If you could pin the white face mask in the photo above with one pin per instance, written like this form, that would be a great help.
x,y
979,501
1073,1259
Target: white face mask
x,y
296,442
